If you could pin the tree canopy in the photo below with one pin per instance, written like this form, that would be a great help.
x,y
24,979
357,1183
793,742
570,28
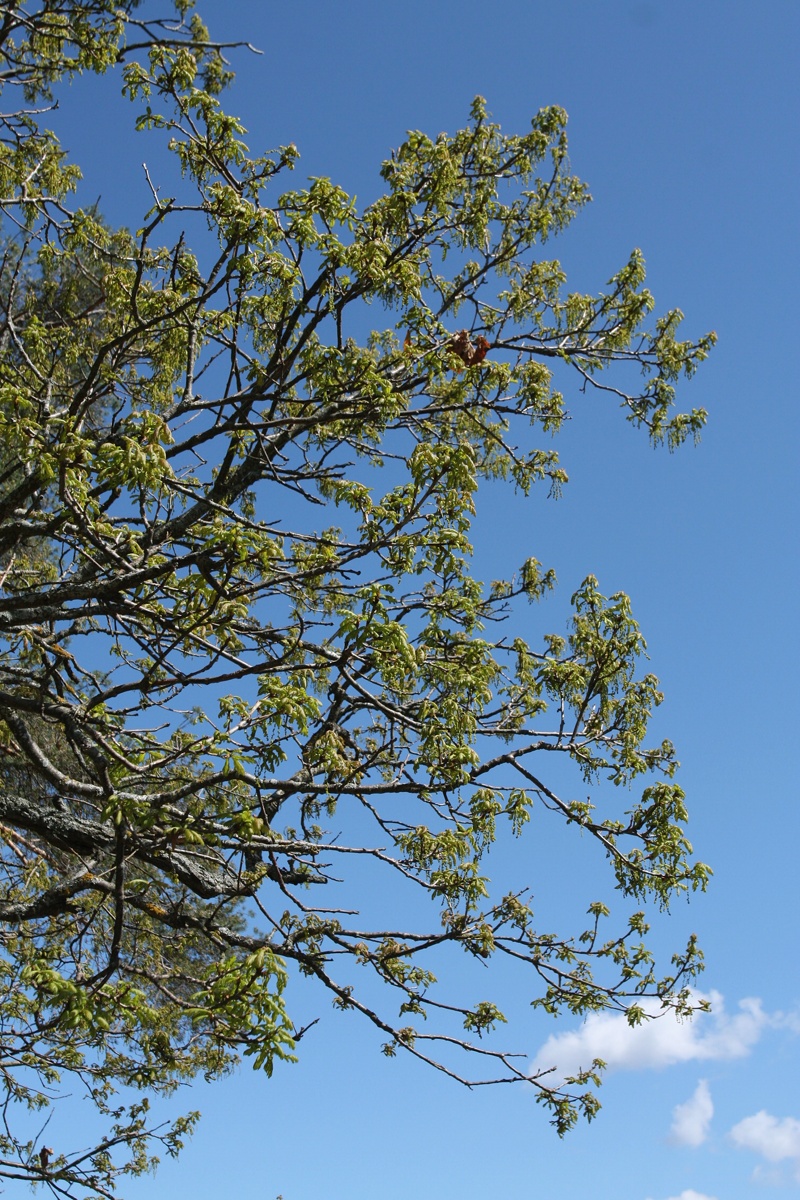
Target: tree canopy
x,y
245,665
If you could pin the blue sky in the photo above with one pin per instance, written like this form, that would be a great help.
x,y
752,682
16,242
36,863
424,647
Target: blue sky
x,y
683,119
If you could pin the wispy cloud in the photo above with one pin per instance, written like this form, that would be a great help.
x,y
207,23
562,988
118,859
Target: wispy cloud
x,y
777,1139
691,1194
655,1043
690,1121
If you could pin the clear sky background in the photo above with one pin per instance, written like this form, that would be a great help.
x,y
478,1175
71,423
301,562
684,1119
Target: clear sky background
x,y
683,119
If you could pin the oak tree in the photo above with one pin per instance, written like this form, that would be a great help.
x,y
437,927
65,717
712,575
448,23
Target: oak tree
x,y
246,670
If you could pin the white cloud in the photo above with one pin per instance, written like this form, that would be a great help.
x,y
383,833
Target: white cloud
x,y
691,1194
768,1176
774,1138
690,1121
654,1043
790,1020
